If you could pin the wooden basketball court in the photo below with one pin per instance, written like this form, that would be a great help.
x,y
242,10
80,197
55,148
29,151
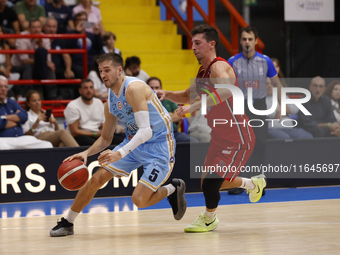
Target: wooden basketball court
x,y
300,227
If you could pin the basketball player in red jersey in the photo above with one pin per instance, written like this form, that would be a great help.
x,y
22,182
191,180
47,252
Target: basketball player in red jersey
x,y
231,145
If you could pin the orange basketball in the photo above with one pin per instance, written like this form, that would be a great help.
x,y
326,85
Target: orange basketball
x,y
73,175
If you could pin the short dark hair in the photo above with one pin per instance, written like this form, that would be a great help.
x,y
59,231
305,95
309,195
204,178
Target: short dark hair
x,y
116,59
132,60
109,34
249,29
28,97
209,33
33,20
154,78
85,80
78,15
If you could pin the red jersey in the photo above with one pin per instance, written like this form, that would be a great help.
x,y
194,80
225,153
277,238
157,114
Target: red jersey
x,y
236,129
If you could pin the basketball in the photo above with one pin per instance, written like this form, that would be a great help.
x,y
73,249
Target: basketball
x,y
73,175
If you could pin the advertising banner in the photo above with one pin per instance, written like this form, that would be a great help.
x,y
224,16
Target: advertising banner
x,y
309,10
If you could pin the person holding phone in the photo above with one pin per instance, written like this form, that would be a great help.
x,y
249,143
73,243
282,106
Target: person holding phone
x,y
94,44
43,125
94,16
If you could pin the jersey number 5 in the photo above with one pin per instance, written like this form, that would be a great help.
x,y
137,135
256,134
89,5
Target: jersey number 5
x,y
154,175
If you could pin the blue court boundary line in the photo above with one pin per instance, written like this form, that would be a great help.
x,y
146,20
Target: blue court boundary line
x,y
115,204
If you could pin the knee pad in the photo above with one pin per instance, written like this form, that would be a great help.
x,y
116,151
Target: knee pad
x,y
211,191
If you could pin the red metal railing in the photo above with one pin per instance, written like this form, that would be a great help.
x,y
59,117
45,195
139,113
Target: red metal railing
x,y
57,106
54,36
236,20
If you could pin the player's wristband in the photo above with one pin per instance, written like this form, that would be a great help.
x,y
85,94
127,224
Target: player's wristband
x,y
329,124
95,134
122,152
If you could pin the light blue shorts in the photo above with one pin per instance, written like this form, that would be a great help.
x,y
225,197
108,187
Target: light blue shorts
x,y
157,159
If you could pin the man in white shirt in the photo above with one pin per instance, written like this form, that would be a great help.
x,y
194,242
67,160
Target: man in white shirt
x,y
85,115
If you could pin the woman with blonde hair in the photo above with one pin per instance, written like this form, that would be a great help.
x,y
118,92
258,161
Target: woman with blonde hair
x,y
42,128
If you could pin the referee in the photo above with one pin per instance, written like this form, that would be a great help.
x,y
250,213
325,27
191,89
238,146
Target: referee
x,y
252,69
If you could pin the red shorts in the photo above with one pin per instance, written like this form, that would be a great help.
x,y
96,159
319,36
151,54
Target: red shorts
x,y
228,159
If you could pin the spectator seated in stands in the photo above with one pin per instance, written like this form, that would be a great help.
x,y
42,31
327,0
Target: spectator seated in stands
x,y
9,21
322,122
100,91
6,66
333,92
94,44
12,116
70,3
180,137
62,62
11,3
199,128
94,16
279,129
28,10
42,128
5,59
85,116
62,13
132,68
109,39
278,69
37,66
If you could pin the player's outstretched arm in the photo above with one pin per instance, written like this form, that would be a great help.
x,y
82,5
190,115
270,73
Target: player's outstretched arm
x,y
179,97
221,73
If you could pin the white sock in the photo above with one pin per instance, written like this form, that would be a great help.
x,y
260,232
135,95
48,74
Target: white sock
x,y
247,184
170,189
71,216
211,215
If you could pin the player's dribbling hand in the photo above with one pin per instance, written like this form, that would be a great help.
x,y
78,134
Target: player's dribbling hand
x,y
81,156
108,156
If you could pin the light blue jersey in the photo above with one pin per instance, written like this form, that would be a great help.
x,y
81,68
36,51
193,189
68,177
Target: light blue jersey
x,y
156,155
160,120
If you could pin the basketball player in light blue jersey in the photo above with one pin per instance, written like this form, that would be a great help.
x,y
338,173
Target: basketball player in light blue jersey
x,y
149,143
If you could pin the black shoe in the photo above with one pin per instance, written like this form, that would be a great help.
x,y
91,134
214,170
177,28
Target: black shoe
x,y
63,228
177,199
235,191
